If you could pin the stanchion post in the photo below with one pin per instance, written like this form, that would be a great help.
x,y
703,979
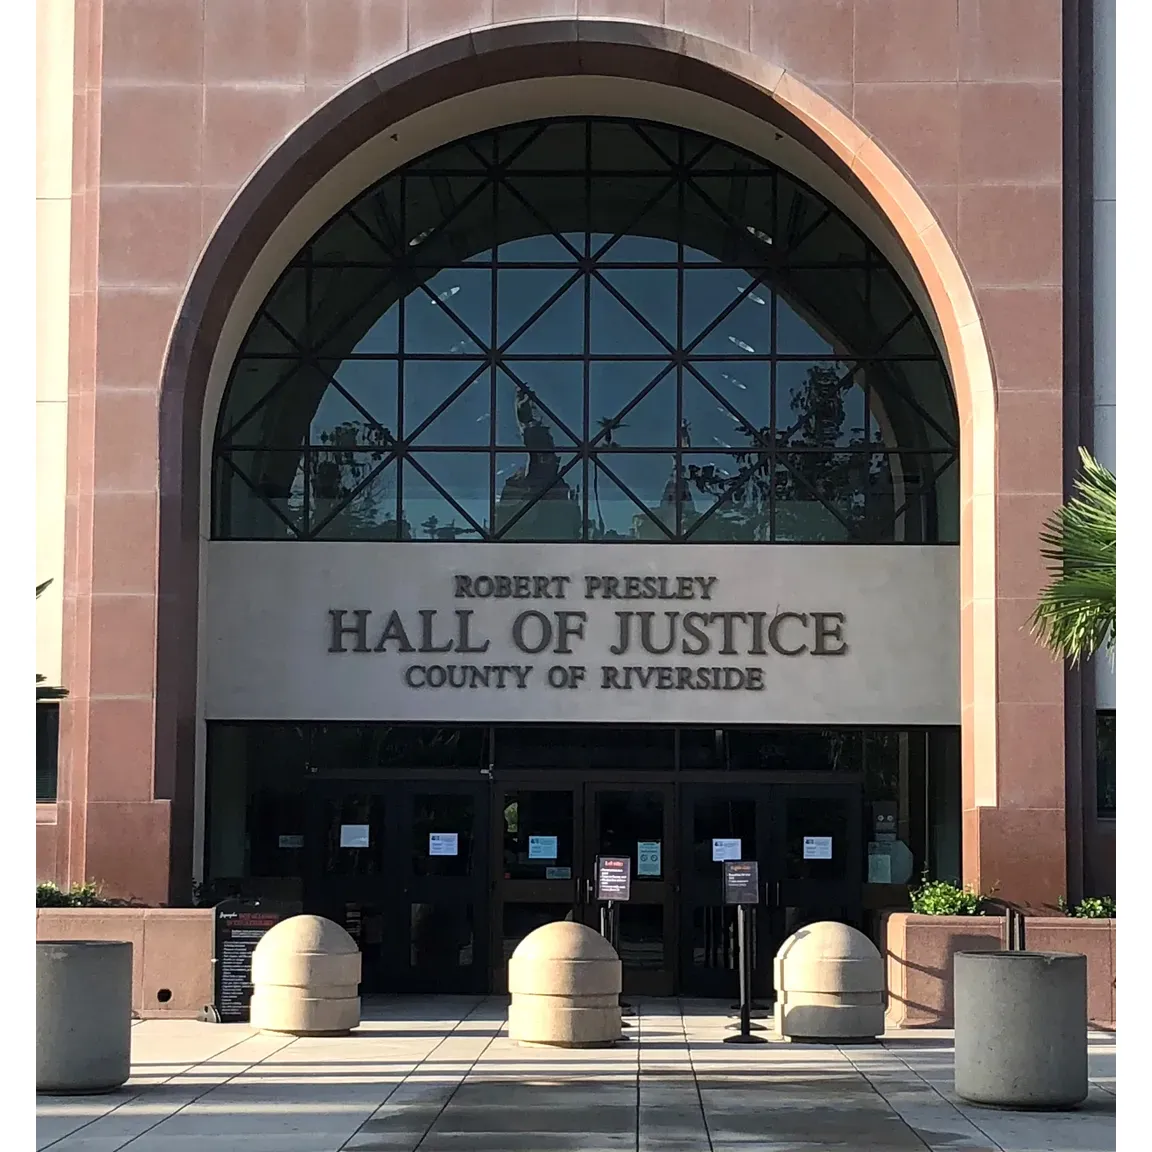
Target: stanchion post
x,y
744,1036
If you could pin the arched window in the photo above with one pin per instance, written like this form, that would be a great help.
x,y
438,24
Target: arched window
x,y
588,330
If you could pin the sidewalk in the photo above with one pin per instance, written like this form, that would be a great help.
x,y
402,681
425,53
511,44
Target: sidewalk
x,y
440,1075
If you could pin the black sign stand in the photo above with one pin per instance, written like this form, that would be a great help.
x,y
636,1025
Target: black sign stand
x,y
240,925
613,885
742,888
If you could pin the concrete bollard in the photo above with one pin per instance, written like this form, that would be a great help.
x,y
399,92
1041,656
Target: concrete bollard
x,y
83,1016
565,984
1021,1029
829,985
306,979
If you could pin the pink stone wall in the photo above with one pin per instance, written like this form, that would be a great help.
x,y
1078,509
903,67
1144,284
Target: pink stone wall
x,y
177,103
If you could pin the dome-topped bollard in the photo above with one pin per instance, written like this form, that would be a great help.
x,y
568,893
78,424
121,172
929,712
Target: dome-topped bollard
x,y
829,985
306,979
565,984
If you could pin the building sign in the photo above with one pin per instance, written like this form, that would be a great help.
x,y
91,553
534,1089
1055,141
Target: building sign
x,y
741,882
613,877
583,633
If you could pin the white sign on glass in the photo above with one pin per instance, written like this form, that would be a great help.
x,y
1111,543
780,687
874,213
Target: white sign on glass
x,y
817,847
443,844
542,847
648,858
879,863
354,835
726,849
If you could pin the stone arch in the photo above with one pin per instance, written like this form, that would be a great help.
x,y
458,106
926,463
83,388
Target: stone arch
x,y
536,50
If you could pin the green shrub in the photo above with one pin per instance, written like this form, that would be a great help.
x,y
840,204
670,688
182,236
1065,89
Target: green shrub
x,y
1096,908
78,896
942,898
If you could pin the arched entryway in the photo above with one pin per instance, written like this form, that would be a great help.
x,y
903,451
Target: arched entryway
x,y
348,140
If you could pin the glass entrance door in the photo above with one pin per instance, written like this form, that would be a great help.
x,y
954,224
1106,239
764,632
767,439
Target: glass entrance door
x,y
549,835
402,867
718,823
817,870
806,840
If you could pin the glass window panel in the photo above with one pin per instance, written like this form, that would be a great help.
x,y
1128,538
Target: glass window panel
x,y
559,146
652,292
737,486
518,920
354,310
823,496
830,749
539,498
707,293
715,942
464,476
537,833
1106,764
797,333
624,820
338,423
817,816
625,205
353,497
446,218
356,809
442,940
717,214
416,746
545,208
429,383
912,404
615,331
820,405
558,330
745,386
241,421
372,384
539,404
650,422
451,314
721,819
636,249
439,814
632,495
465,423
641,935
260,494
522,292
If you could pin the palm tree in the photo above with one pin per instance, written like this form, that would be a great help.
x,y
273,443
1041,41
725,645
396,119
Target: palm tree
x,y
1076,615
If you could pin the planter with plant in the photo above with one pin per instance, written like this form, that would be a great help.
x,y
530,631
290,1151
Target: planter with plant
x,y
943,898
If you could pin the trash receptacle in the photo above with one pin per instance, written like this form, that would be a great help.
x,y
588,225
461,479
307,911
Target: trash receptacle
x,y
83,1016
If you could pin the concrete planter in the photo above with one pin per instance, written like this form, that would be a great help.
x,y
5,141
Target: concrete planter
x,y
919,951
1022,1029
83,1016
171,952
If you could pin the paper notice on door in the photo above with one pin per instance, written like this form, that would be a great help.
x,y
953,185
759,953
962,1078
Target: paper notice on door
x,y
290,841
648,858
879,863
817,847
542,847
726,849
443,844
354,835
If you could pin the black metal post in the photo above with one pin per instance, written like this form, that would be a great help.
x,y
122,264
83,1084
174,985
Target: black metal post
x,y
744,1036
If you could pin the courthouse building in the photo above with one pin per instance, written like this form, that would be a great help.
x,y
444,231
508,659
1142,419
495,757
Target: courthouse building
x,y
479,435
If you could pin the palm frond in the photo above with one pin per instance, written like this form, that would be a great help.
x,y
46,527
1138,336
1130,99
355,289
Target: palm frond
x,y
1076,613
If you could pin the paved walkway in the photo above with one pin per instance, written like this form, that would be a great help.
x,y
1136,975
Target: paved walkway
x,y
440,1075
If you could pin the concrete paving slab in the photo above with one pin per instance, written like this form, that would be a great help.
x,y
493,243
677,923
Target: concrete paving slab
x,y
441,1075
